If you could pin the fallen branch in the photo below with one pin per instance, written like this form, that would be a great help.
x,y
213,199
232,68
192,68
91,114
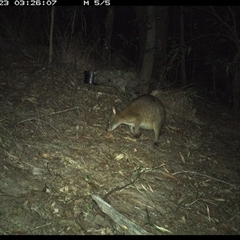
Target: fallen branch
x,y
131,227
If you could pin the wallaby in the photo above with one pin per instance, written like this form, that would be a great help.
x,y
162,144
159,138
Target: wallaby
x,y
146,112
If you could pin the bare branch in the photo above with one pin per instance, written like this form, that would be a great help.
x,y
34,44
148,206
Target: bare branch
x,y
233,30
233,17
234,33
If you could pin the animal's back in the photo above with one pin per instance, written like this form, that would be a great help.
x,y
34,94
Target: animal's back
x,y
150,108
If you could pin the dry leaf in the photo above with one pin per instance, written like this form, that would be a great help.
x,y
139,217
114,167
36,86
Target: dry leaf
x,y
182,158
119,156
131,139
44,155
162,229
110,135
87,136
169,175
219,199
30,99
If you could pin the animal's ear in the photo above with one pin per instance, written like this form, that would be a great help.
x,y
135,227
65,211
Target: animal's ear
x,y
114,110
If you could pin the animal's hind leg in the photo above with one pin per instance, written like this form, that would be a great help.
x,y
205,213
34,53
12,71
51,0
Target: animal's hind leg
x,y
135,131
156,128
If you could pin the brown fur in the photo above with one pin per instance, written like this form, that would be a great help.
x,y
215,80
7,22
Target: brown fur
x,y
146,112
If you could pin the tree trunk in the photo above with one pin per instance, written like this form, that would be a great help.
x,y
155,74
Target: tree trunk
x,y
236,90
50,56
108,36
233,35
141,13
147,66
183,66
96,29
159,69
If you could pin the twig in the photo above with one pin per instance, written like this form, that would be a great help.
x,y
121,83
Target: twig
x,y
204,175
17,158
118,189
230,219
53,113
51,126
45,225
195,95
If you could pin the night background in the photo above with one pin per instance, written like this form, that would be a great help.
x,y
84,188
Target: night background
x,y
66,71
207,38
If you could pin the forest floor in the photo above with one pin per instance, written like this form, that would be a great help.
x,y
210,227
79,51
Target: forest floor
x,y
57,158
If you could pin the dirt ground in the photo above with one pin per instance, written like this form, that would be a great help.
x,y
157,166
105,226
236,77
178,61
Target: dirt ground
x,y
56,155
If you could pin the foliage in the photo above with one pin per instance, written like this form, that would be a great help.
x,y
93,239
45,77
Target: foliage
x,y
23,24
170,61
